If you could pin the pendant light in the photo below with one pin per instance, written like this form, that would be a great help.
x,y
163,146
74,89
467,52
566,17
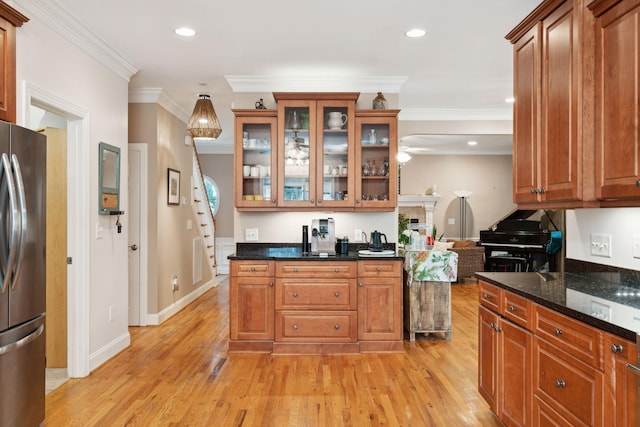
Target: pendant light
x,y
204,123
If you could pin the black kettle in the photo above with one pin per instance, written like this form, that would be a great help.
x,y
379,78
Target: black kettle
x,y
375,243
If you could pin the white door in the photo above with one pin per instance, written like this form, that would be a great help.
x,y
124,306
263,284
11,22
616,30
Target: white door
x,y
134,237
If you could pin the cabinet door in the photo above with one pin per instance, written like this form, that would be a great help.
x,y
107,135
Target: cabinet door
x,y
525,117
255,160
617,106
488,356
560,148
376,165
335,156
8,71
621,386
514,374
380,309
251,308
297,158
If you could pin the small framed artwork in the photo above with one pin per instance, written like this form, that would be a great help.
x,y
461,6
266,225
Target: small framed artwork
x,y
173,187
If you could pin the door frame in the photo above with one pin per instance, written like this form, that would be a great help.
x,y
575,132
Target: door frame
x,y
143,227
78,218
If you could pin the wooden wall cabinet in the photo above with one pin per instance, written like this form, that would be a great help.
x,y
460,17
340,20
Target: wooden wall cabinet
x,y
310,154
617,108
553,111
9,20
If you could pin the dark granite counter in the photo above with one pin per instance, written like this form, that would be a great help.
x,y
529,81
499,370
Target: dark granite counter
x,y
574,296
293,252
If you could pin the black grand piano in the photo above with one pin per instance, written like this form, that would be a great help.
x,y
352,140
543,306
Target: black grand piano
x,y
516,243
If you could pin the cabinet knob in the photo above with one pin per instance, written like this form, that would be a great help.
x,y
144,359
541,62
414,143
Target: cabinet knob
x,y
295,295
541,190
357,200
616,348
295,327
319,201
512,309
560,384
638,183
311,201
295,270
337,294
360,284
486,296
271,284
337,327
273,201
337,270
534,190
379,269
253,269
557,331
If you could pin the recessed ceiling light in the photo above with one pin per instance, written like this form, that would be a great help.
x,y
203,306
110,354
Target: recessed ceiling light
x,y
510,100
416,32
472,143
186,32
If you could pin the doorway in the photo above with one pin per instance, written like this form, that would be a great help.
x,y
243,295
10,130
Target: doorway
x,y
138,253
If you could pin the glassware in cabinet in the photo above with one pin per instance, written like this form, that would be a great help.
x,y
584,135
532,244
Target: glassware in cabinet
x,y
255,158
376,142
335,131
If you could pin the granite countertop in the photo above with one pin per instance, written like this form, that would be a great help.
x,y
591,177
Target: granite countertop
x,y
572,294
293,252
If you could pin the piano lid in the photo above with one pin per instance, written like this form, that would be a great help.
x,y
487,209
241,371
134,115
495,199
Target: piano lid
x,y
516,214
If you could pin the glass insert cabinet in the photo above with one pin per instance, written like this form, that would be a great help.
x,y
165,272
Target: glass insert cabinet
x,y
316,151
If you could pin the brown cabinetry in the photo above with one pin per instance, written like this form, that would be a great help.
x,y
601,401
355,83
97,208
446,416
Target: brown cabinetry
x,y
617,90
9,20
621,389
553,85
316,307
313,152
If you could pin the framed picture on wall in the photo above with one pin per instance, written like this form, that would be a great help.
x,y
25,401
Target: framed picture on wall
x,y
173,187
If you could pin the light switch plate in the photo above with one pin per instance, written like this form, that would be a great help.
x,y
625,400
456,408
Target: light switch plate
x,y
601,245
636,245
251,234
99,231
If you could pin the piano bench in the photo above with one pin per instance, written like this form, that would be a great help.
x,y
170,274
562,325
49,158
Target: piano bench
x,y
508,263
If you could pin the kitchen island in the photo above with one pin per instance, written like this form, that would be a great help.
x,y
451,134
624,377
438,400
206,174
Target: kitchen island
x,y
553,348
284,301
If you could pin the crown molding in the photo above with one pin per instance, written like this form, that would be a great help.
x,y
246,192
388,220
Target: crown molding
x,y
453,114
372,84
155,95
70,28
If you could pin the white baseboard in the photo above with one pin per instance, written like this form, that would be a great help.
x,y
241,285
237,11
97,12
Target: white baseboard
x,y
156,319
225,246
108,351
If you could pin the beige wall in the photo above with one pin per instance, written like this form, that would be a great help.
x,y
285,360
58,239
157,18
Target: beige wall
x,y
220,168
170,242
489,178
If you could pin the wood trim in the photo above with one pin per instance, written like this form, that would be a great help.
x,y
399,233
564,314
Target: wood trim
x,y
316,96
12,15
254,113
598,7
538,14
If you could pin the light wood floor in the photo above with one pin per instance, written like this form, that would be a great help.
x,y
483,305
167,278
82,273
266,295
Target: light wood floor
x,y
179,374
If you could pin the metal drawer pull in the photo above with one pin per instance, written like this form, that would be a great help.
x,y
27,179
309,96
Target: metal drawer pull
x,y
560,384
253,269
379,269
557,331
360,284
295,294
512,309
638,183
295,327
337,327
616,348
495,327
295,270
337,294
486,296
337,270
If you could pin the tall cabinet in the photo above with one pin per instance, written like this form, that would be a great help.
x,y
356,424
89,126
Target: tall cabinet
x,y
316,151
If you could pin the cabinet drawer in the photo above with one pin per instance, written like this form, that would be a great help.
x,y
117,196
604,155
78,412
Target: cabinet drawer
x,y
576,338
320,294
379,268
572,388
516,309
490,297
252,268
323,269
316,326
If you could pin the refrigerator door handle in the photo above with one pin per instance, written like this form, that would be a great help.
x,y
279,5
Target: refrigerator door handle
x,y
22,341
22,200
15,226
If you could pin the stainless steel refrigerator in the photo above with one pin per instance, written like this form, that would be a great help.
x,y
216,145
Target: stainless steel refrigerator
x,y
22,275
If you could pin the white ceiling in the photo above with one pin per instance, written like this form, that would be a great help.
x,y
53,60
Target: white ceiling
x,y
461,69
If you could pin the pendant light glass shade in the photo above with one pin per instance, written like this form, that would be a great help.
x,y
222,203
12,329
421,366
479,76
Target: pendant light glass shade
x,y
204,123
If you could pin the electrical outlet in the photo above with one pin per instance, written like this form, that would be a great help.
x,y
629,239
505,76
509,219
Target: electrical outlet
x,y
110,313
357,235
189,224
174,284
601,245
636,245
251,234
99,231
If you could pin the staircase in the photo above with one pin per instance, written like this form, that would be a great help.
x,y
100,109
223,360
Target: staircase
x,y
206,223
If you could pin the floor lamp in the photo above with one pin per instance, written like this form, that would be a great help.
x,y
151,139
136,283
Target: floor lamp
x,y
463,195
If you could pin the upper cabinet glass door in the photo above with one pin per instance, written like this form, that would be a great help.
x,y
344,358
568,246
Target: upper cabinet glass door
x,y
296,143
335,153
256,183
376,139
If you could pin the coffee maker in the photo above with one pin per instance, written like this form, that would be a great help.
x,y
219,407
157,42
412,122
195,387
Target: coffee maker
x,y
323,236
